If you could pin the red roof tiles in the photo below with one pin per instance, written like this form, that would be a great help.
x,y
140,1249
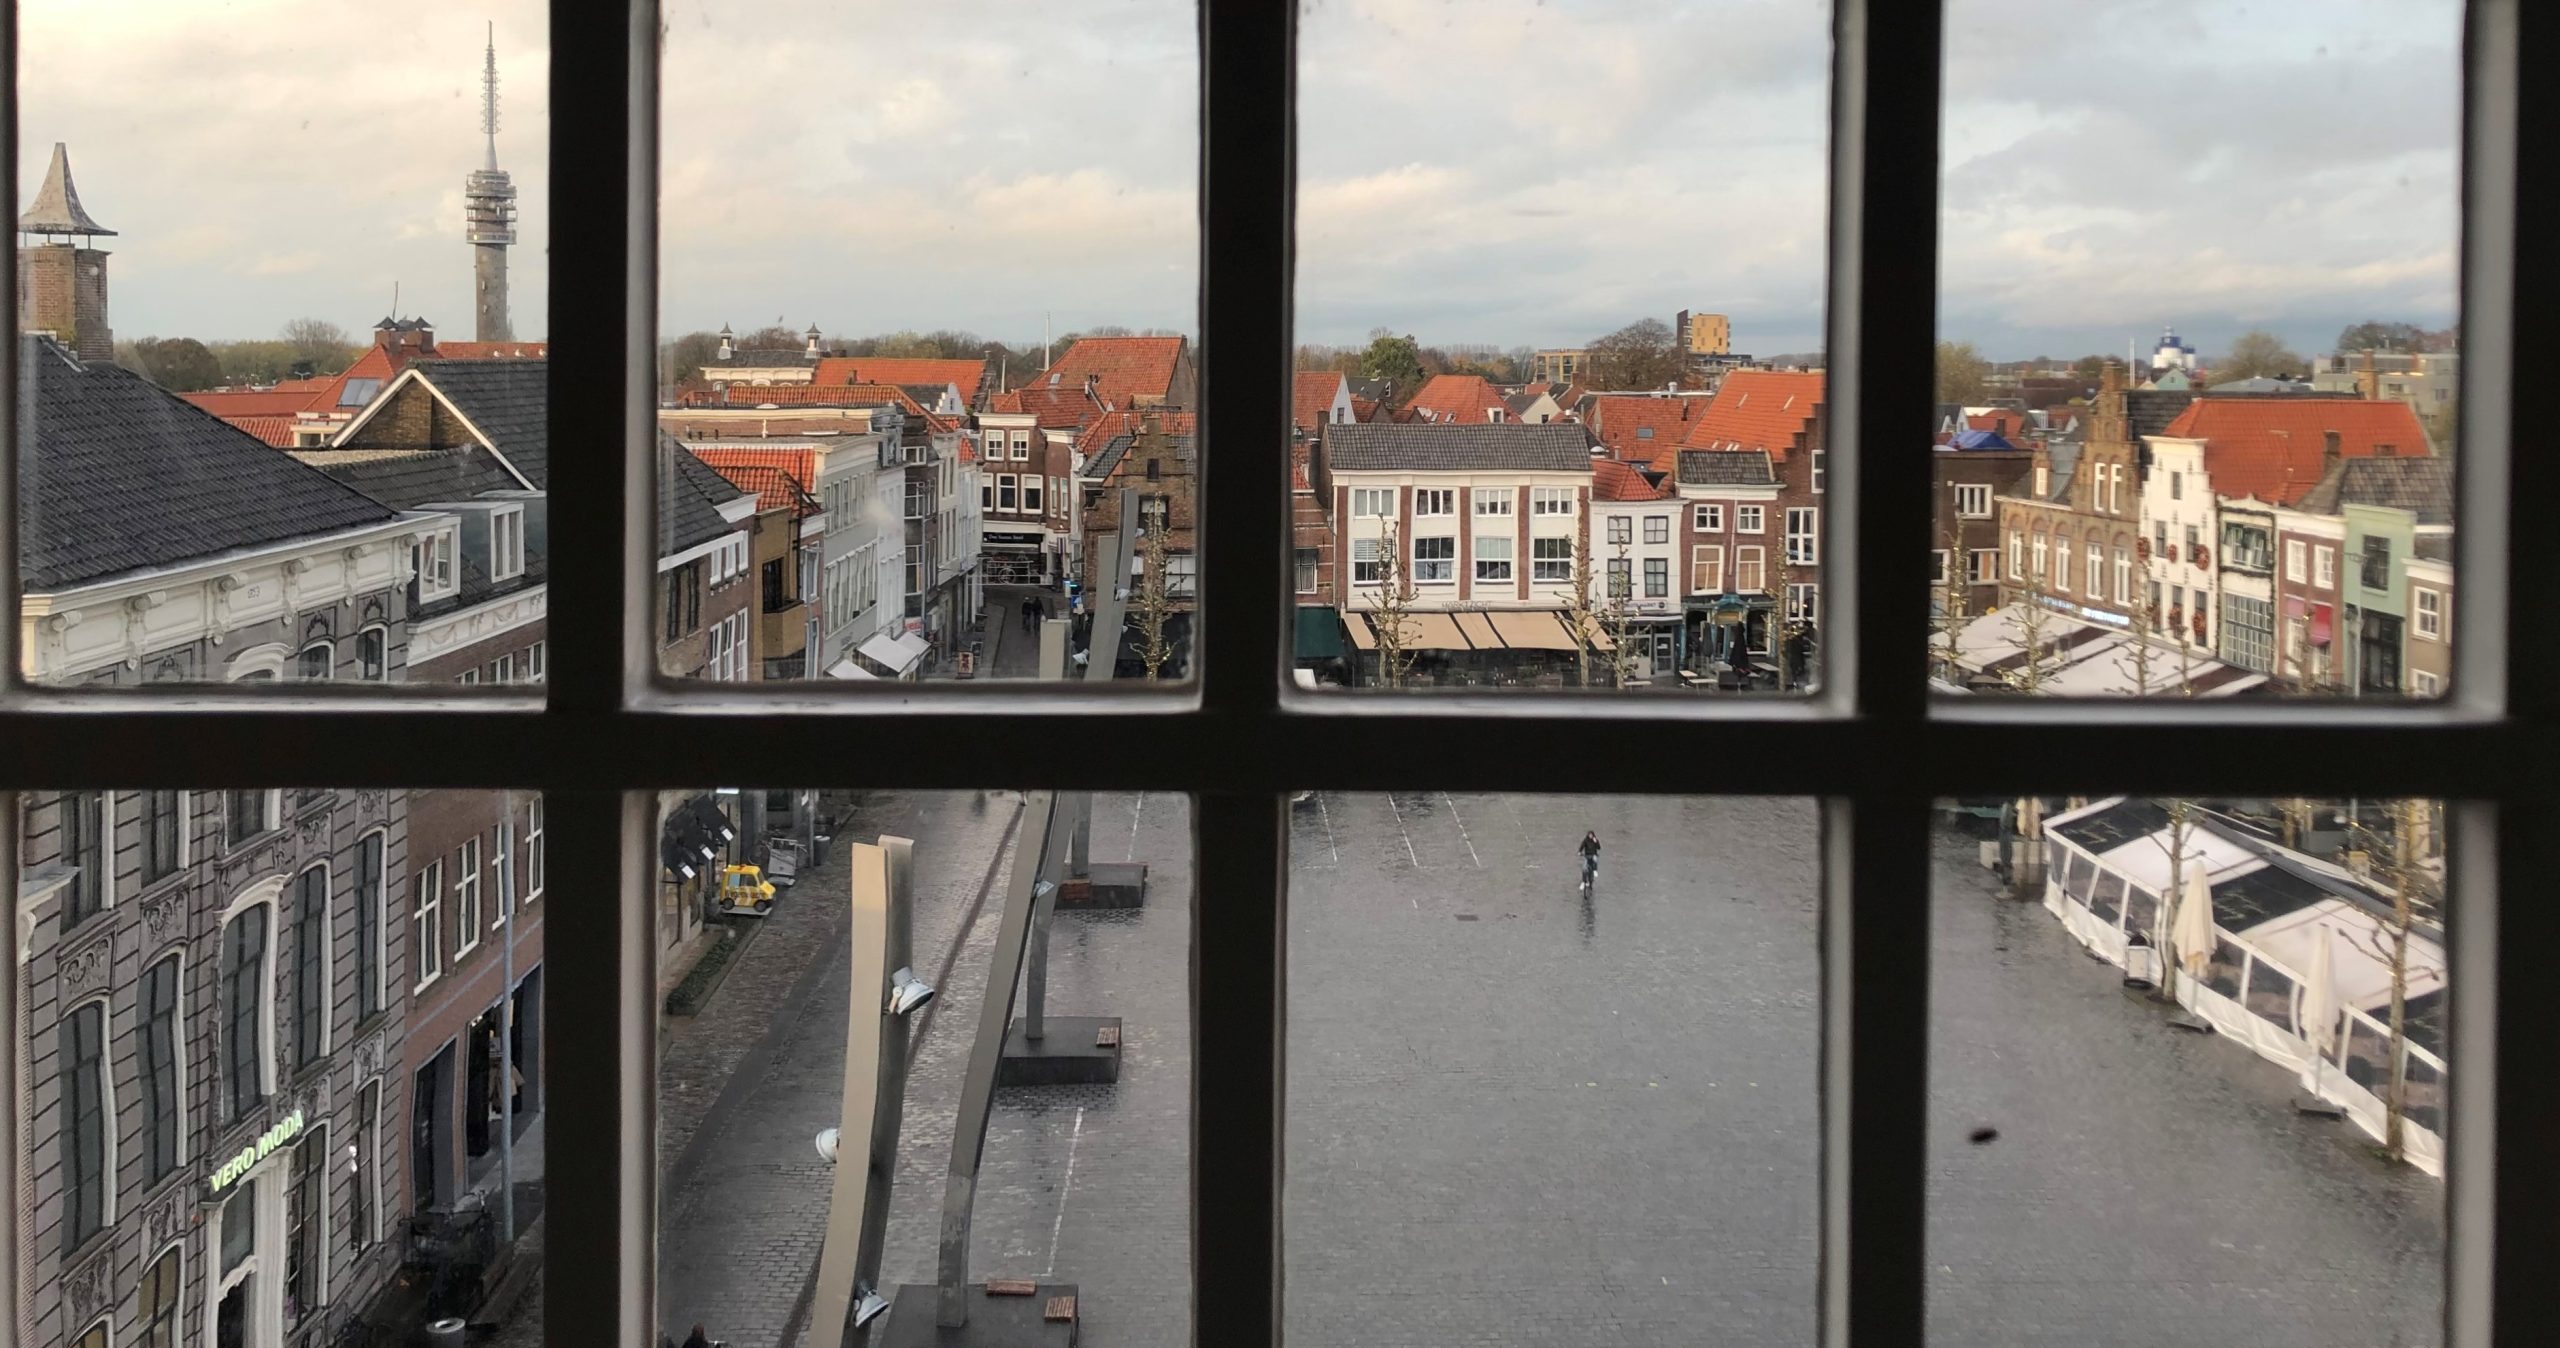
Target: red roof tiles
x,y
1311,398
1757,409
1099,434
1612,480
775,489
2273,448
1126,369
1463,399
1621,421
964,375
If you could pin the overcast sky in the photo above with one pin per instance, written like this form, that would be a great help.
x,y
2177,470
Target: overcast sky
x,y
1495,171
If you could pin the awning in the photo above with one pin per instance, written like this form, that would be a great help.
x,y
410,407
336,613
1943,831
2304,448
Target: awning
x,y
1531,631
1357,627
1319,632
1479,631
897,654
849,668
1435,632
2323,623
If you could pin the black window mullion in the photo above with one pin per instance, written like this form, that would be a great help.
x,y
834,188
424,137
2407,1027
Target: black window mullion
x,y
1237,1074
600,1056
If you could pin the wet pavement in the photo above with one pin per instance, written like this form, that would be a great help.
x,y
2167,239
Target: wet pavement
x,y
1517,1117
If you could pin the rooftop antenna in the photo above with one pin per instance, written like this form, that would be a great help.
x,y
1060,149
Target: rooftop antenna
x,y
489,97
1048,335
395,301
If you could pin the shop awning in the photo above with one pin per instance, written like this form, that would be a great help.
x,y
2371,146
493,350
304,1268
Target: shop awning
x,y
898,654
1319,632
1479,632
1594,633
1435,632
1356,626
849,668
1531,631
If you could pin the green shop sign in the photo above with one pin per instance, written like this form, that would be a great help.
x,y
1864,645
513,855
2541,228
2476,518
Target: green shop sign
x,y
285,1130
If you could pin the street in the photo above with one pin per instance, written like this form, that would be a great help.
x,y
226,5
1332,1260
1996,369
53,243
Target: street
x,y
1517,1117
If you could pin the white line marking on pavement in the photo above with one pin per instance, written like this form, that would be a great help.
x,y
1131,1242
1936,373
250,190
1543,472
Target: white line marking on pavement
x,y
1327,816
1462,831
1135,812
1060,1224
1408,838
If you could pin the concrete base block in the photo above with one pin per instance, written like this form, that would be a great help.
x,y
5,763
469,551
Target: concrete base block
x,y
994,1321
1072,1051
1106,884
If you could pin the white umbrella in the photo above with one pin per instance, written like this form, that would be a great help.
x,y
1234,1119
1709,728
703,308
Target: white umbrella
x,y
2320,997
2193,934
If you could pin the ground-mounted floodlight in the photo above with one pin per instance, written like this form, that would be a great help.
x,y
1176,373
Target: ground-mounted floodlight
x,y
907,992
827,1144
867,1305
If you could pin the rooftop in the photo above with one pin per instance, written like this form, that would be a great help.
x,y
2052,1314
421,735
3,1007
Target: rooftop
x,y
1125,368
2273,448
1758,409
1420,447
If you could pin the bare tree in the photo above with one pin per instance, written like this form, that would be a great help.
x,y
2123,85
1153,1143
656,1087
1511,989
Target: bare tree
x,y
2137,656
2415,898
1154,602
2031,618
1614,618
1389,607
1580,605
1954,596
2164,939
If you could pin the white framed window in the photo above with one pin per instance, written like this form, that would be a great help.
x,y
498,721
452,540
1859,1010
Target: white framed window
x,y
1008,489
1819,469
1435,560
2037,557
1747,569
503,669
1493,557
2044,482
466,897
1982,566
1493,501
313,979
247,1002
2295,555
1434,501
2062,565
426,925
1551,500
1375,503
467,676
1657,577
1364,561
1494,415
1031,484
364,1162
2424,684
314,662
1551,559
1973,500
1938,566
2094,575
502,859
1709,517
1022,444
1706,568
433,558
536,657
506,544
2325,566
1804,602
1622,529
2430,612
986,493
2124,576
1804,535
1622,573
88,1110
533,849
1657,529
1747,520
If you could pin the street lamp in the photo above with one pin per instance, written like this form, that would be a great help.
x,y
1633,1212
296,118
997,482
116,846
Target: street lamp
x,y
907,992
827,1145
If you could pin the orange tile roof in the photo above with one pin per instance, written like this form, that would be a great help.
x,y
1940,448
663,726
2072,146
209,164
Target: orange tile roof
x,y
2272,448
493,350
775,489
250,402
965,375
1128,368
1363,409
1298,478
2010,424
1757,409
1055,408
1311,397
1465,399
1096,436
1612,480
275,430
1620,420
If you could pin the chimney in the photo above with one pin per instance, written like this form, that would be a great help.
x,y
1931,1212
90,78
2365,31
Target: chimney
x,y
62,274
2368,385
2329,451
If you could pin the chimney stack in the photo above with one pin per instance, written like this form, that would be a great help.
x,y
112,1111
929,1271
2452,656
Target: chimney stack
x,y
2368,383
2329,451
62,275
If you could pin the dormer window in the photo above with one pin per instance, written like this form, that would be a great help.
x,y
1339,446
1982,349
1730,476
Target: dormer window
x,y
1493,414
506,544
433,561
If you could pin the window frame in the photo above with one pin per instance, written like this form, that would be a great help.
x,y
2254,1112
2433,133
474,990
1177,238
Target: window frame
x,y
1869,742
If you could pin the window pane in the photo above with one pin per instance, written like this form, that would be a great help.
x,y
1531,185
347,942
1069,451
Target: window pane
x,y
2193,1090
2254,442
1519,1108
1080,1190
1550,303
933,444
320,511
230,1079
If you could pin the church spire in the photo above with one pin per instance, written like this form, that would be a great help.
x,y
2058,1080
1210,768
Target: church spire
x,y
57,205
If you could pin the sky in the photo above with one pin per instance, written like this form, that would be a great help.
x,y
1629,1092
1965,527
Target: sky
x,y
1499,172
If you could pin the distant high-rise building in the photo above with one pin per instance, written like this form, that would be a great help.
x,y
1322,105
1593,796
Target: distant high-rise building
x,y
489,217
62,281
1703,334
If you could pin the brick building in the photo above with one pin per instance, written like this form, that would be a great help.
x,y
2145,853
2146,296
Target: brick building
x,y
1158,463
2079,502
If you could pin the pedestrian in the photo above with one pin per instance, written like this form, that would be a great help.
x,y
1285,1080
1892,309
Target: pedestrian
x,y
699,1339
1590,850
1030,607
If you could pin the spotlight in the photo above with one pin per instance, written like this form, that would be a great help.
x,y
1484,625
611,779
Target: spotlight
x,y
867,1305
827,1144
907,992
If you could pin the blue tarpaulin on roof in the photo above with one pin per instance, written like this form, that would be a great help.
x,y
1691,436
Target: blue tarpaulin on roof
x,y
1980,440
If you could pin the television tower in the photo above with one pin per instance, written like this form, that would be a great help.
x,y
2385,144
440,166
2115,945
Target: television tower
x,y
489,217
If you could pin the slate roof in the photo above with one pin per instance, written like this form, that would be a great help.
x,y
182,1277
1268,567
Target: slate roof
x,y
1727,468
689,499
1757,409
2148,411
1420,447
406,479
119,475
2065,458
2272,448
509,400
2423,487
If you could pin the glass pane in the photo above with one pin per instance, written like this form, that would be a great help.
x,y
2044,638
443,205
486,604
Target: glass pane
x,y
1079,1188
1527,1109
249,469
324,1064
1532,448
2227,469
2199,1096
983,279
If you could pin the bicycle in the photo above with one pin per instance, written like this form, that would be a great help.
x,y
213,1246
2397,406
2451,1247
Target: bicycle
x,y
1590,870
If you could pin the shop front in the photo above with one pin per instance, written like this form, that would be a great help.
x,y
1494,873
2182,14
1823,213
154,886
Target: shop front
x,y
1728,639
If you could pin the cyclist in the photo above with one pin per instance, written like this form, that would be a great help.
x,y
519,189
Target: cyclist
x,y
1590,850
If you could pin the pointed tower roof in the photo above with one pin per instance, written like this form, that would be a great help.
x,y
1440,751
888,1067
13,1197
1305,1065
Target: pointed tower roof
x,y
57,206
